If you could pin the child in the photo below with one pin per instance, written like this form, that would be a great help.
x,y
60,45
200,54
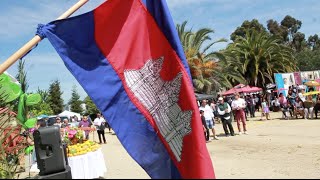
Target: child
x,y
204,125
265,109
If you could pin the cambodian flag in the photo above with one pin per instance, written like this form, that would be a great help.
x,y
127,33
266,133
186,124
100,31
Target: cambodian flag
x,y
127,56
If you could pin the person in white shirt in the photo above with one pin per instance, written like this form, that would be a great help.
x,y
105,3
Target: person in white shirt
x,y
238,105
100,123
224,111
301,96
209,116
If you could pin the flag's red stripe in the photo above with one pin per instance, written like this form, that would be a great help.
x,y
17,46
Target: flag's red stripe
x,y
129,37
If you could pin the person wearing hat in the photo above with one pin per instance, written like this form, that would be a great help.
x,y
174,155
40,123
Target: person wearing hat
x,y
238,106
58,122
41,123
224,111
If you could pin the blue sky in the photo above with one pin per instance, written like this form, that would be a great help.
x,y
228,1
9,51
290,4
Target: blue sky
x,y
19,20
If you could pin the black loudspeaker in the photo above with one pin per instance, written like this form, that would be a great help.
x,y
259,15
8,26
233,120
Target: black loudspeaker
x,y
65,146
49,151
61,175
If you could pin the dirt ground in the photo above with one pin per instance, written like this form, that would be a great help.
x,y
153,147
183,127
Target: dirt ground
x,y
273,149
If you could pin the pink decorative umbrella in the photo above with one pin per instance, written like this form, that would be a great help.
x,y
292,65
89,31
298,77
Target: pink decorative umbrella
x,y
239,86
281,89
242,89
252,89
232,91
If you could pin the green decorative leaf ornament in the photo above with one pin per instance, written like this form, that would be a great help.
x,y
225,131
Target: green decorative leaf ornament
x,y
21,109
9,90
30,123
33,99
29,150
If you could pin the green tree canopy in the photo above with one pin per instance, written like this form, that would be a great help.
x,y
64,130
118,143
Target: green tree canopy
x,y
257,56
292,25
55,97
75,101
253,25
288,31
44,106
314,42
308,60
91,107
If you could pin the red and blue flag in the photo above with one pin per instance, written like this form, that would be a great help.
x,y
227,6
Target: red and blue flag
x,y
127,56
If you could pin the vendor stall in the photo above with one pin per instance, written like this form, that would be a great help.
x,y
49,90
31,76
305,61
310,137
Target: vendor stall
x,y
88,166
85,157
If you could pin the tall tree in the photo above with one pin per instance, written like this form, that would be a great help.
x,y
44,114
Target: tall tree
x,y
202,61
75,101
44,95
22,75
43,107
314,42
308,60
91,107
55,97
288,31
293,25
299,42
253,25
277,30
258,56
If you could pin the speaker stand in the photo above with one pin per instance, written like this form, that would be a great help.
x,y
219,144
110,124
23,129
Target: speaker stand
x,y
61,175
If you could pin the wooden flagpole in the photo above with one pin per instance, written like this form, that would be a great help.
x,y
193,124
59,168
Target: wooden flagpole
x,y
35,40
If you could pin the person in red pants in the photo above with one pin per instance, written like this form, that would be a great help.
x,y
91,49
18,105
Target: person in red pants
x,y
238,105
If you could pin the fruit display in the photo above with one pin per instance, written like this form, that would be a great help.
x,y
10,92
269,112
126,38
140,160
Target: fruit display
x,y
72,136
82,148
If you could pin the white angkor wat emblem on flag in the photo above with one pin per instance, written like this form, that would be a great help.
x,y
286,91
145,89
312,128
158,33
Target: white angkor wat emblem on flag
x,y
160,98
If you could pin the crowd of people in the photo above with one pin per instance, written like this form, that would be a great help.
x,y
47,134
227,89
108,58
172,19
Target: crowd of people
x,y
225,111
239,107
297,104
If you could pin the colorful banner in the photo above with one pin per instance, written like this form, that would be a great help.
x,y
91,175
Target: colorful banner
x,y
288,81
307,76
297,78
316,75
318,88
285,80
279,81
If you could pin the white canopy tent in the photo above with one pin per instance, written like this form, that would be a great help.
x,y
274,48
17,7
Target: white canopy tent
x,y
69,114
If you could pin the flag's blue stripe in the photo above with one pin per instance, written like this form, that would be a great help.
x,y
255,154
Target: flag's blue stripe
x,y
161,14
75,42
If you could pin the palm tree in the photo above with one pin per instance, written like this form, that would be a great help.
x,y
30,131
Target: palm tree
x,y
202,62
257,56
